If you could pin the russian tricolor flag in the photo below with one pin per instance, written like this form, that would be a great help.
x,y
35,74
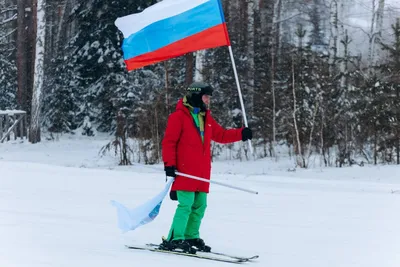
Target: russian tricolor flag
x,y
172,28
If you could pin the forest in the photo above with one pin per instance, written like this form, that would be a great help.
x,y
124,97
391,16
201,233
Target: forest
x,y
320,78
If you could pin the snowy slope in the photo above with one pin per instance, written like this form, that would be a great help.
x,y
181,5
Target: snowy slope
x,y
55,211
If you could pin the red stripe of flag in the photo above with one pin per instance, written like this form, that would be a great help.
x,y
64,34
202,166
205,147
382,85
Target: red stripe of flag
x,y
210,38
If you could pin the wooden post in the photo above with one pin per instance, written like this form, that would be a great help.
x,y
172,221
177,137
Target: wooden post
x,y
7,125
16,128
25,126
21,127
12,128
17,119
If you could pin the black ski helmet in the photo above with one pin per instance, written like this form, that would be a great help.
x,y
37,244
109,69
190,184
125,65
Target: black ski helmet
x,y
195,92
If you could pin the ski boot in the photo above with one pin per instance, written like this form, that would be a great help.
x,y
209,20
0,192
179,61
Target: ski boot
x,y
178,246
199,244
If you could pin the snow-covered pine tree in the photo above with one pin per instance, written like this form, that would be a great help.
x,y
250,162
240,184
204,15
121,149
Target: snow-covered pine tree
x,y
375,117
100,74
8,83
8,69
61,104
391,69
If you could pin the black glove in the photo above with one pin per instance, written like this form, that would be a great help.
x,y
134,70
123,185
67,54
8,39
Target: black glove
x,y
247,134
173,195
170,171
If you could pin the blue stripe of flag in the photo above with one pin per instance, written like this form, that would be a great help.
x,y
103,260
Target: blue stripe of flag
x,y
173,29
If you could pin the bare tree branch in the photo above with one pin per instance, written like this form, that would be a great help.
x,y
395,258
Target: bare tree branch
x,y
8,9
7,34
14,17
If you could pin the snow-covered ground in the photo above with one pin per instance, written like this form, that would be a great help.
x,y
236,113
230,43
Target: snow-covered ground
x,y
55,211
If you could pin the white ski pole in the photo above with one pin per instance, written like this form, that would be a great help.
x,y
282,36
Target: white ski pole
x,y
215,182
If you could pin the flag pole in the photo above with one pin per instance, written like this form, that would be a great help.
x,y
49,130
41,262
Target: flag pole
x,y
215,182
240,95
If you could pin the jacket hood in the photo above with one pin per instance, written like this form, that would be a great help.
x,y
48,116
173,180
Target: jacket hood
x,y
181,106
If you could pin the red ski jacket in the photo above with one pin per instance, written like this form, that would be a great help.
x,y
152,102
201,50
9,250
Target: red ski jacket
x,y
183,148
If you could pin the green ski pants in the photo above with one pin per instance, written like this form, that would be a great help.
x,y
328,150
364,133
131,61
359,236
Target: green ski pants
x,y
188,215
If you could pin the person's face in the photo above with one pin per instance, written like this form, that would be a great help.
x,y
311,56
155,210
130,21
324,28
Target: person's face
x,y
206,99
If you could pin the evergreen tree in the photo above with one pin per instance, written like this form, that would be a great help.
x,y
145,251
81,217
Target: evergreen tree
x,y
392,70
62,98
8,83
100,73
376,115
8,68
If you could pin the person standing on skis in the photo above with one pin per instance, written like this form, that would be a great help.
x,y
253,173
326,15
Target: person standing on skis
x,y
186,148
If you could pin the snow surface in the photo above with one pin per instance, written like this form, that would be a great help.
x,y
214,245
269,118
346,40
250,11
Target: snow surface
x,y
55,211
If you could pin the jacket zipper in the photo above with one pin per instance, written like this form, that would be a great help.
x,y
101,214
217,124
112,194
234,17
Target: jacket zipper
x,y
199,132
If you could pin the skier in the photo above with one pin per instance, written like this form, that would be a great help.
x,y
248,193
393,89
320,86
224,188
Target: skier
x,y
186,148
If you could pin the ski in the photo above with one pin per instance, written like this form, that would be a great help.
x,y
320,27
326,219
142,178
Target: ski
x,y
199,255
151,245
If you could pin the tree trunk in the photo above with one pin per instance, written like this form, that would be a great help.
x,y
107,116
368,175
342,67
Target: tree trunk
x,y
344,63
344,41
298,151
272,79
334,36
378,31
398,148
200,61
251,56
274,48
311,134
371,48
166,86
263,6
62,15
22,65
40,23
375,144
322,143
189,69
398,107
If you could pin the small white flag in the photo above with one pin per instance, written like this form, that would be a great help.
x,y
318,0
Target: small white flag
x,y
130,219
